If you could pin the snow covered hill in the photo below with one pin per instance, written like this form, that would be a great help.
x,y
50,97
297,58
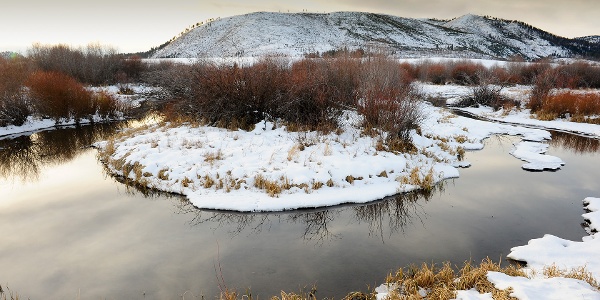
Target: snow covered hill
x,y
295,34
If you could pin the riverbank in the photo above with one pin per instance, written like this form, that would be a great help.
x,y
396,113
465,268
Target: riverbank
x,y
556,269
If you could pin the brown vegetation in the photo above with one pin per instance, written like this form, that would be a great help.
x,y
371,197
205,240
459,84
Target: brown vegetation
x,y
581,107
60,96
14,105
94,64
310,94
388,102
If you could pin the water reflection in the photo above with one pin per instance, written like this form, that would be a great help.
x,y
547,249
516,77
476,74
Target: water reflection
x,y
383,218
159,247
24,157
576,143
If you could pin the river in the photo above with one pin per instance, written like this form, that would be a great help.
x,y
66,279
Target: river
x,y
71,231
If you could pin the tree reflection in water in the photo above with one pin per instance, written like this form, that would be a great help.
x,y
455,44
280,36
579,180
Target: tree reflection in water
x,y
392,214
23,157
395,213
577,143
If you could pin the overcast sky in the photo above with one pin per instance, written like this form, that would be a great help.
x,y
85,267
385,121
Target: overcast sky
x,y
138,25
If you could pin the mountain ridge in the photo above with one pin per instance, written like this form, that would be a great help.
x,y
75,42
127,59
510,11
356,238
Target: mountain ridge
x,y
296,34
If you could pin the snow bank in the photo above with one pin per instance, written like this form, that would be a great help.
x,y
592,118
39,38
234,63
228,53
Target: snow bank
x,y
539,253
453,93
221,169
558,288
29,126
565,254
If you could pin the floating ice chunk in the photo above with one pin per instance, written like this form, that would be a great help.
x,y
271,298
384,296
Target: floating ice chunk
x,y
533,154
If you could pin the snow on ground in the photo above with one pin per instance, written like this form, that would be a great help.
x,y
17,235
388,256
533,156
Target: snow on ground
x,y
29,126
531,152
524,117
565,254
557,288
453,93
543,252
221,169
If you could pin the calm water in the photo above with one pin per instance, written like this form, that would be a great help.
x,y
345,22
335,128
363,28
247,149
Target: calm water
x,y
69,230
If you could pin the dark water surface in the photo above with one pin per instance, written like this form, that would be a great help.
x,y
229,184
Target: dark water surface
x,y
69,231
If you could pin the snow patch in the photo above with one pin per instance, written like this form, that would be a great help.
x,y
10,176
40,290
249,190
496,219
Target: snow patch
x,y
533,153
565,254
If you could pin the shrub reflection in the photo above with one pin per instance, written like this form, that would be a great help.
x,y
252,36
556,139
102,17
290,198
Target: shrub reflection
x,y
384,218
23,157
576,143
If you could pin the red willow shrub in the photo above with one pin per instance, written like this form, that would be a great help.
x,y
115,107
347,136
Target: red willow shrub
x,y
578,75
227,95
318,91
543,84
387,100
309,93
578,105
465,72
435,73
60,96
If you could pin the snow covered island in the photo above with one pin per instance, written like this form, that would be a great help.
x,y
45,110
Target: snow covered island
x,y
273,169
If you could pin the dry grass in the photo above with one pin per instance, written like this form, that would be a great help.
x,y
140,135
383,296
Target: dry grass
x,y
8,294
461,139
443,282
163,174
293,152
186,182
383,174
327,150
580,273
212,157
425,181
208,181
272,187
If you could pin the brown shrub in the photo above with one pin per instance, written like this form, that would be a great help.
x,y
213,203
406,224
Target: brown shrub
x,y
575,104
238,94
60,96
14,106
435,73
543,84
310,94
529,72
465,72
176,79
132,67
106,104
578,75
94,64
387,99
